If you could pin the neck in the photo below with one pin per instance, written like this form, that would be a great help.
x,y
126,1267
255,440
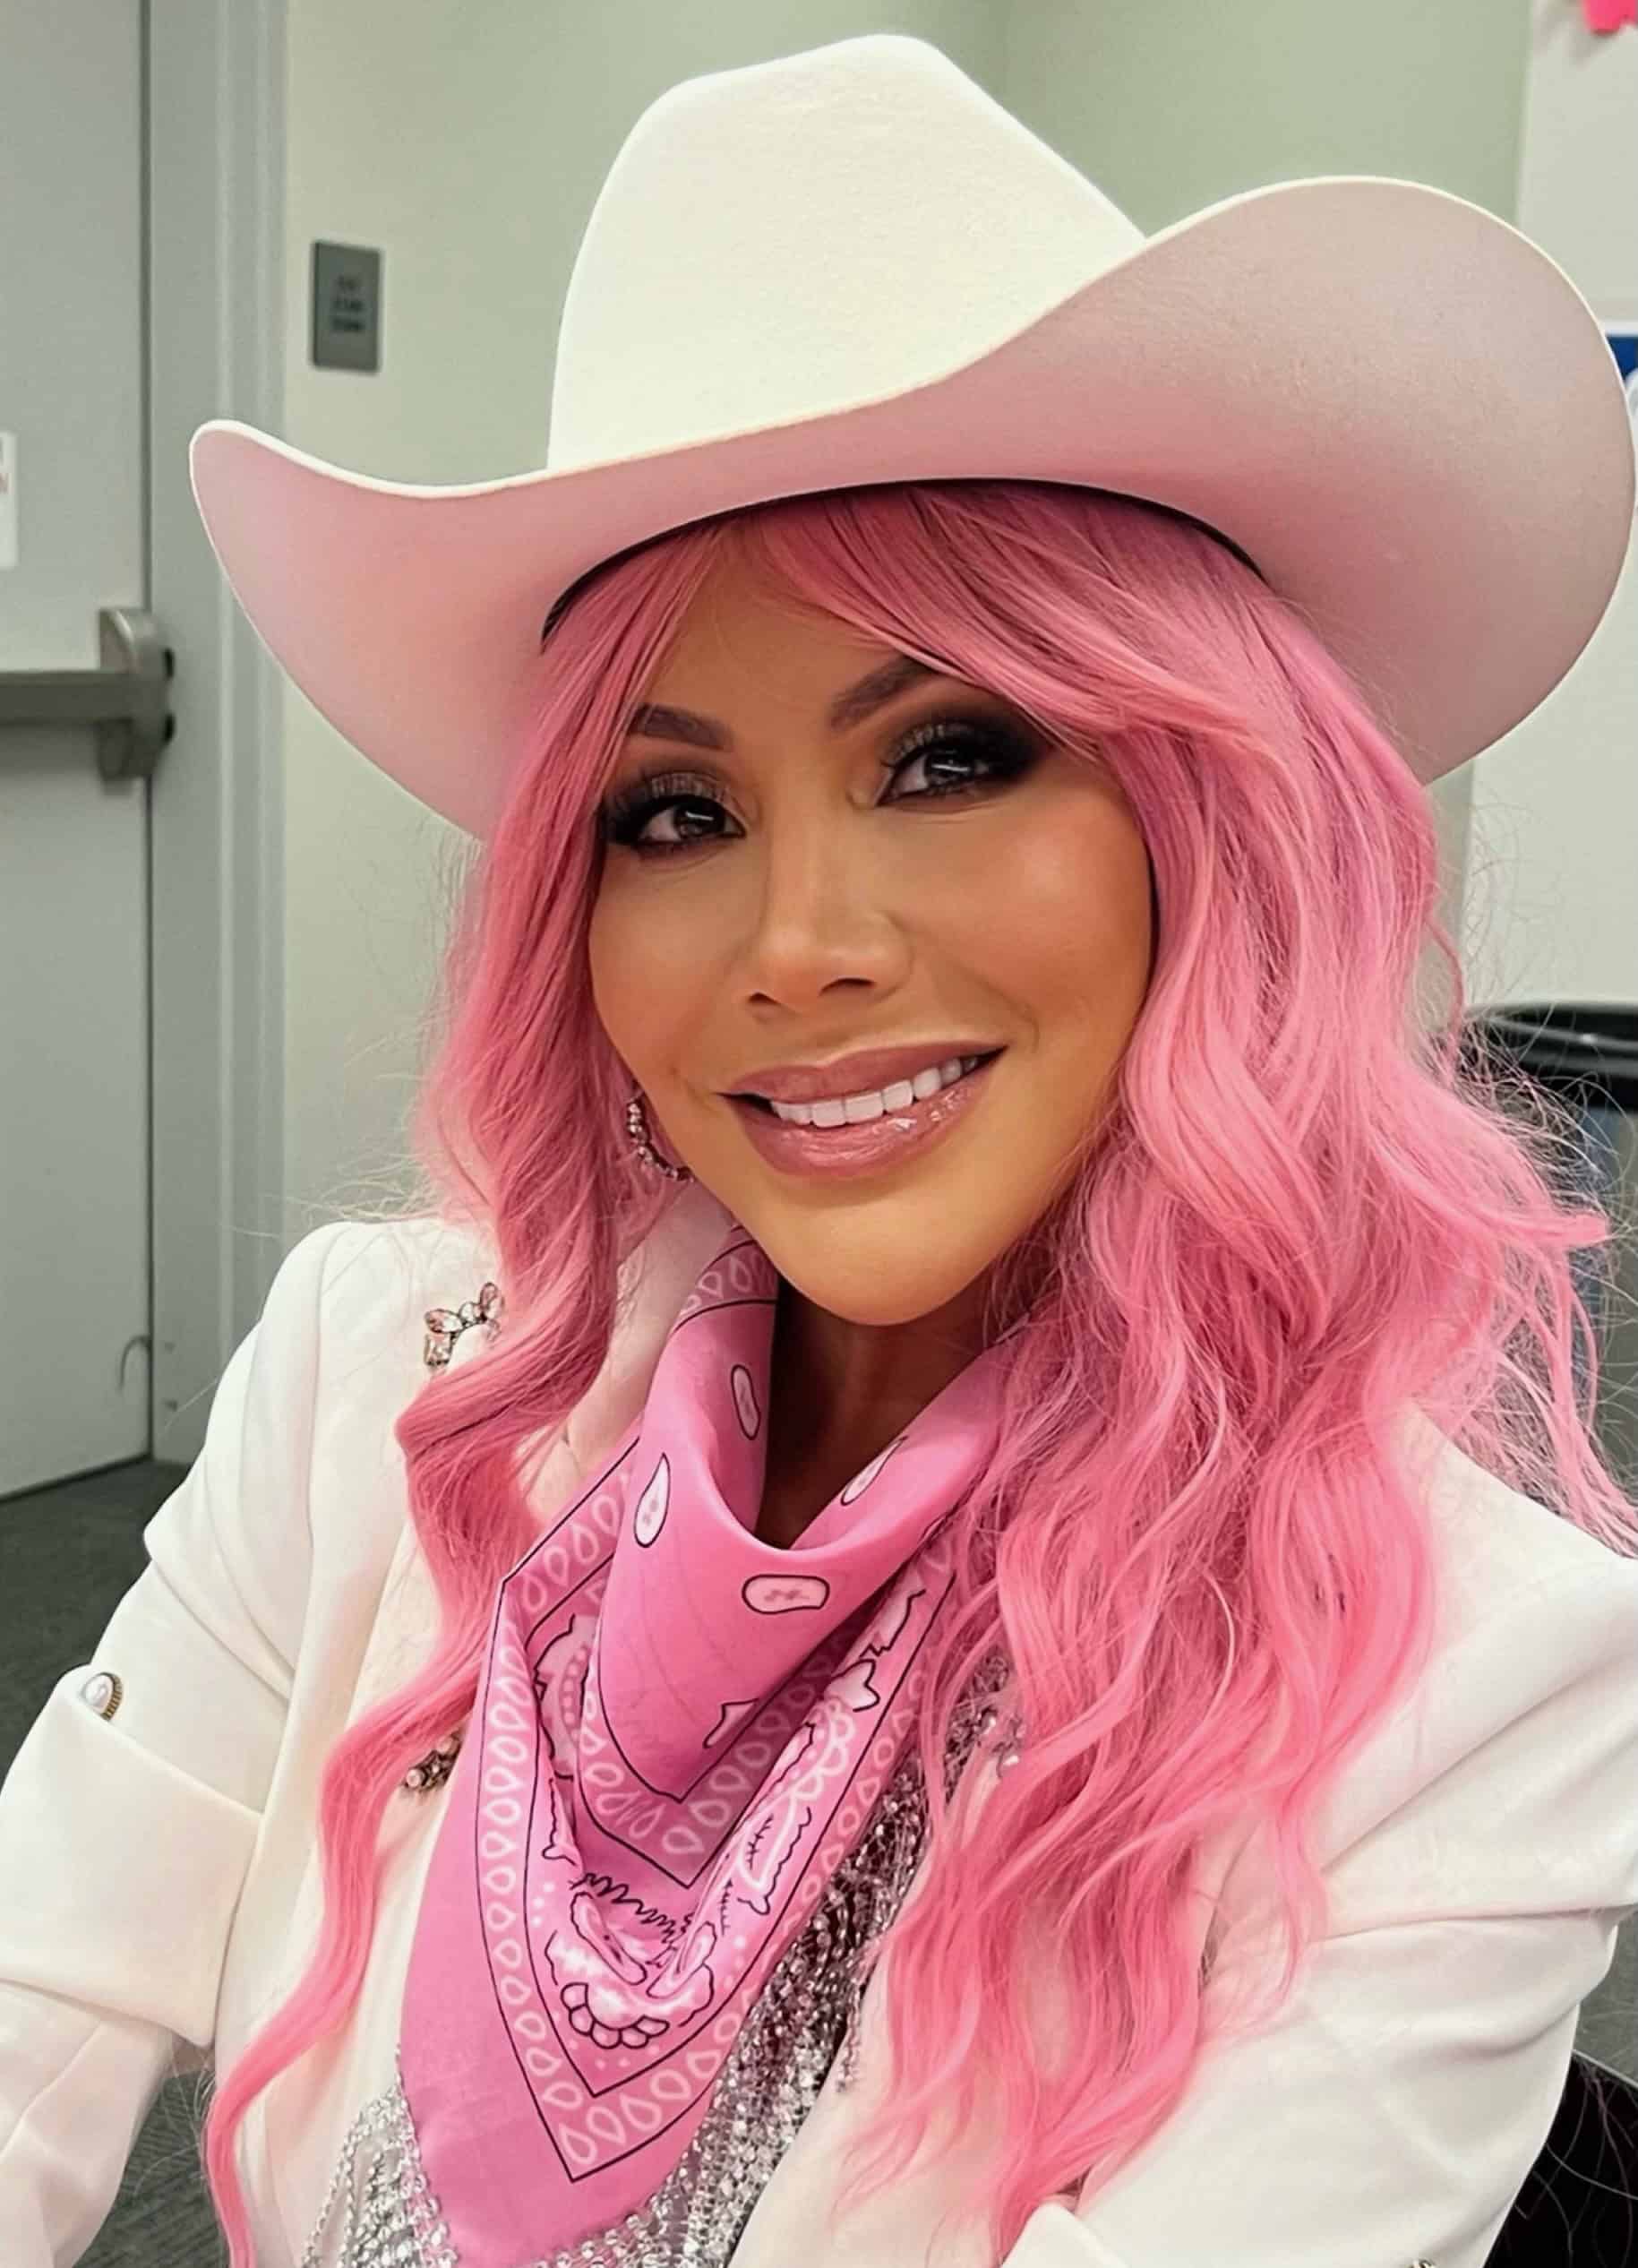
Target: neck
x,y
838,1392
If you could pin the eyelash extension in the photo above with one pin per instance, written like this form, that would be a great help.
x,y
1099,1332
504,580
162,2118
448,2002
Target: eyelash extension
x,y
622,817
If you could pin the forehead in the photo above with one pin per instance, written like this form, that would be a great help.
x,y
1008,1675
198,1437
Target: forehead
x,y
747,641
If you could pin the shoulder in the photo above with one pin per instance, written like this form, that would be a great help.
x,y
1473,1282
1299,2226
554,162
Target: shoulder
x,y
375,1271
348,1303
1492,1542
375,1274
364,1288
1502,1781
1531,1689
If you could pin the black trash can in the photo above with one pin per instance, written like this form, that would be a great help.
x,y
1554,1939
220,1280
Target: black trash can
x,y
1586,1054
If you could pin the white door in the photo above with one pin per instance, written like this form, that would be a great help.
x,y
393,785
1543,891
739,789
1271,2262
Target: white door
x,y
74,1154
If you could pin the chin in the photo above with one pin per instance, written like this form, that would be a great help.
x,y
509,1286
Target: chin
x,y
865,1269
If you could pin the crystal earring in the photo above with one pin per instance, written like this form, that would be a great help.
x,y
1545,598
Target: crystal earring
x,y
637,1128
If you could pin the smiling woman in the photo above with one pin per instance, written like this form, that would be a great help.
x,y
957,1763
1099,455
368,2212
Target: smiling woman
x,y
1078,1409
1016,1652
1070,1340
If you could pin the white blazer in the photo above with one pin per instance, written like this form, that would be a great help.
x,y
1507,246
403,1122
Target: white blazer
x,y
158,1870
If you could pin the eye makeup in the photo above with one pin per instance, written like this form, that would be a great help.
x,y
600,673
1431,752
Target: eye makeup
x,y
1004,751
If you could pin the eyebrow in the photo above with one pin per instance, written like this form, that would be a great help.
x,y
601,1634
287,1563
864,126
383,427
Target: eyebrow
x,y
655,721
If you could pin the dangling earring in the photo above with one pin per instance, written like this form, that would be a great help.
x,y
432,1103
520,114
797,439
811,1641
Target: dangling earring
x,y
637,1127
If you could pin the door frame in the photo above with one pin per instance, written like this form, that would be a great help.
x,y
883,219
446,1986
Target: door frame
x,y
215,326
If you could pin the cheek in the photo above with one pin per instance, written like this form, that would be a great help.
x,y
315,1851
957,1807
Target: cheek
x,y
1067,931
652,958
629,973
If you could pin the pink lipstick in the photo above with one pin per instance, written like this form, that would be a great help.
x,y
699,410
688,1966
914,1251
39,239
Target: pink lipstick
x,y
873,1144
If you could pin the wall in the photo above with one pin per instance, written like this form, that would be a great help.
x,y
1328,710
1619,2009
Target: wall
x,y
1554,856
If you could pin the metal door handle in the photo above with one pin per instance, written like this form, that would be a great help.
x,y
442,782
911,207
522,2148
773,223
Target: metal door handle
x,y
127,699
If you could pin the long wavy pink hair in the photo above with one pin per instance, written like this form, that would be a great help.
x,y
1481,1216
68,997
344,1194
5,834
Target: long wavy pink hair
x,y
1310,1205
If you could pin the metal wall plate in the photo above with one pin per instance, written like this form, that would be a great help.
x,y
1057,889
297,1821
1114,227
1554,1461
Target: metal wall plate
x,y
347,285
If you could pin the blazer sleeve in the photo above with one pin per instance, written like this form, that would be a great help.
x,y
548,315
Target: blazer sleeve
x,y
1391,2112
125,1841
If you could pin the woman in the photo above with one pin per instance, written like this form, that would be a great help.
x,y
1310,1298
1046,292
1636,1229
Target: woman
x,y
1002,1423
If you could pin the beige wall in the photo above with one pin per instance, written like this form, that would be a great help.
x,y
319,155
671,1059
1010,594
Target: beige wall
x,y
1553,861
1173,109
468,145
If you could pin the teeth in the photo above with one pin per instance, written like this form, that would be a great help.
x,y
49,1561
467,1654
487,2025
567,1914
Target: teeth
x,y
855,1110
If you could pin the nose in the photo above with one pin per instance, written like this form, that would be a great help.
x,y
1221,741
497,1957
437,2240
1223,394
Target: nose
x,y
822,912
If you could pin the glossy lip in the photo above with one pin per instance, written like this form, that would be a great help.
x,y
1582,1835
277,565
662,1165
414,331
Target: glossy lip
x,y
863,1073
844,1152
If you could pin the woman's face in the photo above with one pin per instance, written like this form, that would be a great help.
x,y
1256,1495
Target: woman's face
x,y
821,904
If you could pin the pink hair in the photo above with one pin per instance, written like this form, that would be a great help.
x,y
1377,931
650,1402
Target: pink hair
x,y
1198,1540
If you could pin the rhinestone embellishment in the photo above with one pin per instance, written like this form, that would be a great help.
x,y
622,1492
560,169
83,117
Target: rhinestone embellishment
x,y
435,1766
445,1325
103,1691
380,2211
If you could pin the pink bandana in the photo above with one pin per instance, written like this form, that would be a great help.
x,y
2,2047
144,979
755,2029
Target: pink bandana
x,y
680,1733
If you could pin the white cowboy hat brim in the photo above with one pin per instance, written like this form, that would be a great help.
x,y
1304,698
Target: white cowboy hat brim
x,y
1398,406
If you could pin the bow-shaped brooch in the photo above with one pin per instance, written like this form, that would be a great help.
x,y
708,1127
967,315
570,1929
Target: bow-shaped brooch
x,y
445,1325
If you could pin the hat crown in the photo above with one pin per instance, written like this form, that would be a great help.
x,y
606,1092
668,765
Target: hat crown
x,y
834,227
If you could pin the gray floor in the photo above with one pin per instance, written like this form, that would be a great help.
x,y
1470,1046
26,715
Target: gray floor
x,y
70,1554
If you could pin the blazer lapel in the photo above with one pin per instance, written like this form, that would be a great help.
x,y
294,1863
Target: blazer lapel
x,y
663,1272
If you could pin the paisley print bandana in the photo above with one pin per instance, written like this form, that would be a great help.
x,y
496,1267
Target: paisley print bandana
x,y
680,1733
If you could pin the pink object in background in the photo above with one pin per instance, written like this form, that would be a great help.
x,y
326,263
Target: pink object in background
x,y
1609,15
